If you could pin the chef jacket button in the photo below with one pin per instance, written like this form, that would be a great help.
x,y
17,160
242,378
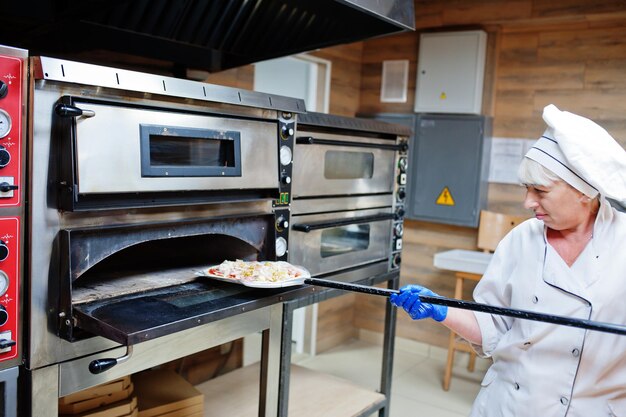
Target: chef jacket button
x,y
516,386
535,299
575,352
564,401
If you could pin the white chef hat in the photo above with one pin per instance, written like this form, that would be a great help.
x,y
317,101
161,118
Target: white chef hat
x,y
583,154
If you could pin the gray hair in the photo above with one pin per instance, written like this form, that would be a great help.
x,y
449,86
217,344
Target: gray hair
x,y
532,172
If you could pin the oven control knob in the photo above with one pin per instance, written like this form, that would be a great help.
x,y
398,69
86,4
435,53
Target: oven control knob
x,y
401,194
5,157
285,179
399,213
403,164
281,223
398,230
396,261
286,131
4,89
4,250
4,315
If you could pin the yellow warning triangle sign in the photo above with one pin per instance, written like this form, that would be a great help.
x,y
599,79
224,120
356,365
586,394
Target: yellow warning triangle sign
x,y
445,198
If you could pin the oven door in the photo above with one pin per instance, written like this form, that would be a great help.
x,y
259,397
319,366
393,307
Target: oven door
x,y
331,242
331,164
116,149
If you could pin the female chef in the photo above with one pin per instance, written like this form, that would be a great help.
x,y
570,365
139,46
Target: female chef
x,y
570,260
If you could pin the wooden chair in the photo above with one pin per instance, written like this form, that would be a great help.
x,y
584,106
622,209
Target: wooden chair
x,y
492,227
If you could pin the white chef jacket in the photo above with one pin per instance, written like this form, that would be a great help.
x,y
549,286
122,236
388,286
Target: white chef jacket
x,y
547,370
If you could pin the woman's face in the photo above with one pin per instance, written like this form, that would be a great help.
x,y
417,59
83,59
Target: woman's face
x,y
559,205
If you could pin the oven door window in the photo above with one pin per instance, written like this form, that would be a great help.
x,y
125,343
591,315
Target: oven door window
x,y
342,165
168,151
345,239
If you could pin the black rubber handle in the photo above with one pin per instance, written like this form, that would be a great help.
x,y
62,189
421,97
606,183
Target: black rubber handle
x,y
309,140
100,365
308,227
66,110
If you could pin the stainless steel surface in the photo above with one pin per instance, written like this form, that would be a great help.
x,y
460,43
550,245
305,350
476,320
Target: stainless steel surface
x,y
271,355
46,220
8,392
335,248
319,205
45,347
53,69
111,138
75,376
44,392
311,179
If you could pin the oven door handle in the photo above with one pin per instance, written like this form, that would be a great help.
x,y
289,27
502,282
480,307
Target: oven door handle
x,y
67,110
308,227
310,140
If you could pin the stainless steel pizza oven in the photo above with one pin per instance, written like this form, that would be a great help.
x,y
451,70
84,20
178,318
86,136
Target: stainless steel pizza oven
x,y
137,181
348,195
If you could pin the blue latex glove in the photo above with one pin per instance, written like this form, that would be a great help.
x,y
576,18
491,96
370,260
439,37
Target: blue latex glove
x,y
410,301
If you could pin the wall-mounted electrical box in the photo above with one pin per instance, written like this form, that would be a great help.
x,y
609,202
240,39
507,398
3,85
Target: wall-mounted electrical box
x,y
450,72
447,180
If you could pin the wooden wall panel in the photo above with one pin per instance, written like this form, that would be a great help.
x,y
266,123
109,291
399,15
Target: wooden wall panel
x,y
335,322
242,77
345,90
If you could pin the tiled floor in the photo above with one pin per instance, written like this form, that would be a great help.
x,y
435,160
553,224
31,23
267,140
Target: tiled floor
x,y
417,376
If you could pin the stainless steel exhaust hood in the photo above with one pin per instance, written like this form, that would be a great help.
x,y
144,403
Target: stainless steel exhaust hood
x,y
212,35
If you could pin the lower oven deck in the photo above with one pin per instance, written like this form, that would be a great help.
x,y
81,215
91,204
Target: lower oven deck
x,y
139,316
273,319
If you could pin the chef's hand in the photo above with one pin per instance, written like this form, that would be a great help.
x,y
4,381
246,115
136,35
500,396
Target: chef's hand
x,y
409,300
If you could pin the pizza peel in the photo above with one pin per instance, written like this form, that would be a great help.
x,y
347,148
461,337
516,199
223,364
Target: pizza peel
x,y
470,305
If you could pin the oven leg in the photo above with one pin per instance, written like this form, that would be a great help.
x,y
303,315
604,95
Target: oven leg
x,y
285,359
271,363
388,348
43,393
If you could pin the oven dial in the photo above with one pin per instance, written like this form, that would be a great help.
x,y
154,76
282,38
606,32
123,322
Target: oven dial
x,y
286,131
397,259
4,282
281,247
401,194
4,89
5,123
4,315
285,179
4,251
403,164
398,230
285,155
5,157
281,223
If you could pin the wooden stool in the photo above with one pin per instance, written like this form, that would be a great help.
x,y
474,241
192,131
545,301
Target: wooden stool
x,y
455,343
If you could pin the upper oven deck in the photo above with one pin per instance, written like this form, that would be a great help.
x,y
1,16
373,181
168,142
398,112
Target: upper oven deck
x,y
341,156
129,139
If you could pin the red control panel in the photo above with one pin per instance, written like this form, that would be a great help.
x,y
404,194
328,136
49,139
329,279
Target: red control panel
x,y
12,138
9,286
11,97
